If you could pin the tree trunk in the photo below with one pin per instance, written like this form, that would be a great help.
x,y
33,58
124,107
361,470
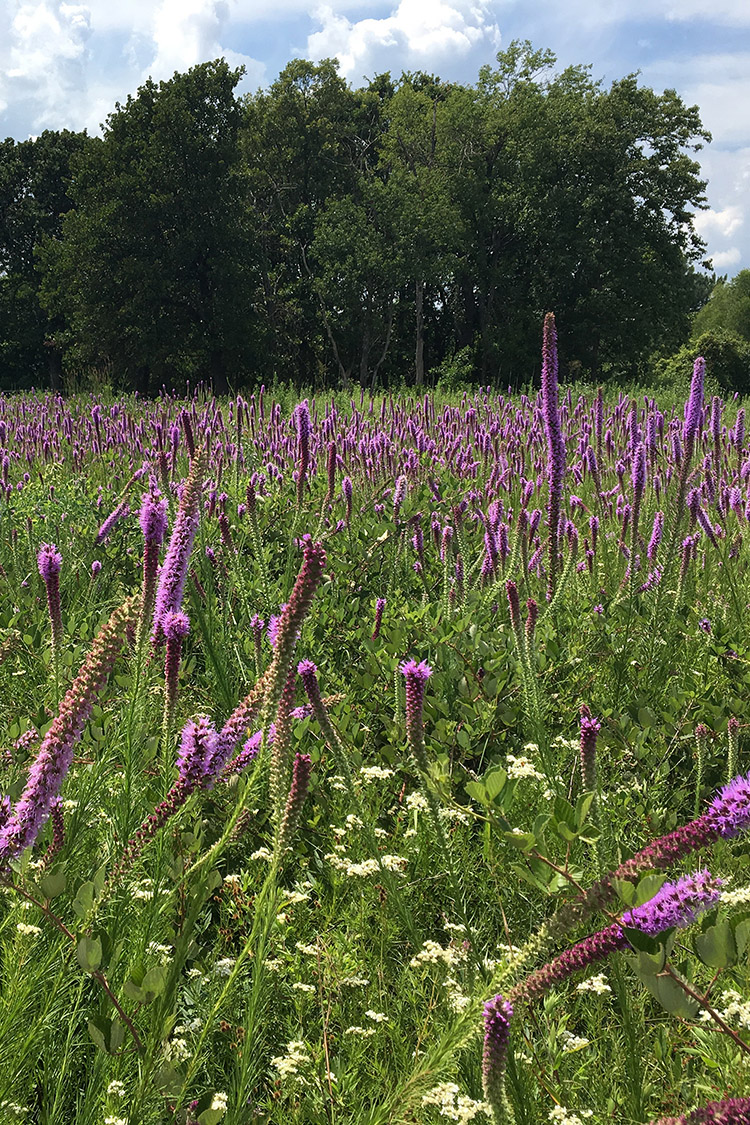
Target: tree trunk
x,y
419,350
218,372
364,362
54,358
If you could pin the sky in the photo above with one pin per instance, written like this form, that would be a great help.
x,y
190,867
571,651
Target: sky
x,y
64,65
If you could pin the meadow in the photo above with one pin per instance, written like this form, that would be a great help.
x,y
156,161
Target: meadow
x,y
377,761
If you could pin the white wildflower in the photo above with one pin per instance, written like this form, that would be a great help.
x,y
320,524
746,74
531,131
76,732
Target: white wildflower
x,y
116,1088
376,1017
299,986
262,853
522,767
288,1065
176,1050
355,982
596,984
219,1101
572,1042
224,966
375,773
363,1031
416,802
27,930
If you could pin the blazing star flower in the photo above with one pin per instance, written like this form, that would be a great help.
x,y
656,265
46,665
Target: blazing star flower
x,y
497,1016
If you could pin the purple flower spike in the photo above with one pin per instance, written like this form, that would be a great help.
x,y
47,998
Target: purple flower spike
x,y
694,406
676,904
729,812
732,1111
416,676
121,511
174,571
153,519
497,1016
379,607
96,567
196,753
176,626
590,728
49,561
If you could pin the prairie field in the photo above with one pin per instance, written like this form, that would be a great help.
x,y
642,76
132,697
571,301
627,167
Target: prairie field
x,y
374,761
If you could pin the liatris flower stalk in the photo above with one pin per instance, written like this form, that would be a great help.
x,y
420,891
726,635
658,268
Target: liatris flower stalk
x,y
174,570
497,1016
58,745
555,446
175,627
303,448
416,676
290,623
258,625
399,493
172,803
379,607
525,650
733,736
301,771
195,759
702,734
121,511
731,1111
279,768
728,814
656,534
590,728
153,520
49,561
346,489
331,474
675,905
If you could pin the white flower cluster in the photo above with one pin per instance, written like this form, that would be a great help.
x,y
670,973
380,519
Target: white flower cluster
x,y
176,1050
453,1104
522,767
416,801
365,1032
432,953
355,982
288,1065
735,1010
299,986
224,966
597,984
564,1116
735,898
14,1107
262,853
219,1101
164,952
394,863
375,773
376,1017
572,1042
27,930
116,1088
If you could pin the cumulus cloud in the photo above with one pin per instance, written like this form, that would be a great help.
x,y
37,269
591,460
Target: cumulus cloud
x,y
415,34
723,223
725,258
43,57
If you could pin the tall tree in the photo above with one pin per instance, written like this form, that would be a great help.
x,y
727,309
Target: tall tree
x,y
34,197
149,269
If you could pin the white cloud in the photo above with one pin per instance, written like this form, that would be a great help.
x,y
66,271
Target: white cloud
x,y
415,34
726,258
722,223
43,57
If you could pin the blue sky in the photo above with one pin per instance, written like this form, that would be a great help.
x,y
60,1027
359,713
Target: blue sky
x,y
64,64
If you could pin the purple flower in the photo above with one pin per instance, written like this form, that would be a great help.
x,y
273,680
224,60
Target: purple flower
x,y
676,904
731,1111
121,511
58,745
96,567
694,406
301,772
704,625
497,1016
174,571
399,493
379,607
590,728
196,753
153,518
416,676
729,812
49,561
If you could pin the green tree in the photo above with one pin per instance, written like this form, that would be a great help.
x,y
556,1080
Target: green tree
x,y
149,272
34,197
727,308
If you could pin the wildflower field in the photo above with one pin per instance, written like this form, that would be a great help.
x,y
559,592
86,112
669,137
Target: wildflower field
x,y
375,762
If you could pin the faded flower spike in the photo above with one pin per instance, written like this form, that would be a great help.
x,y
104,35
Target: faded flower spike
x,y
733,1111
497,1016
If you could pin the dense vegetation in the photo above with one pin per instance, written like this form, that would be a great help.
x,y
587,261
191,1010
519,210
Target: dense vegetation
x,y
528,622
312,232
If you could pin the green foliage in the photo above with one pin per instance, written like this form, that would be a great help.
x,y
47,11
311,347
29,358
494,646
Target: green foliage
x,y
727,309
727,359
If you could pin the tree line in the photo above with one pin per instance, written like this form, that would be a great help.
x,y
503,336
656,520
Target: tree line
x,y
315,233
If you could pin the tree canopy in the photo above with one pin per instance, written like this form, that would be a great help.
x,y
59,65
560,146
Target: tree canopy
x,y
320,233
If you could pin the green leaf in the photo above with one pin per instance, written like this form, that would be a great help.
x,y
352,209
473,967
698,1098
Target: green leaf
x,y
625,891
495,781
583,806
54,883
647,888
716,946
671,997
524,841
99,1030
564,812
84,899
741,934
154,981
89,953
